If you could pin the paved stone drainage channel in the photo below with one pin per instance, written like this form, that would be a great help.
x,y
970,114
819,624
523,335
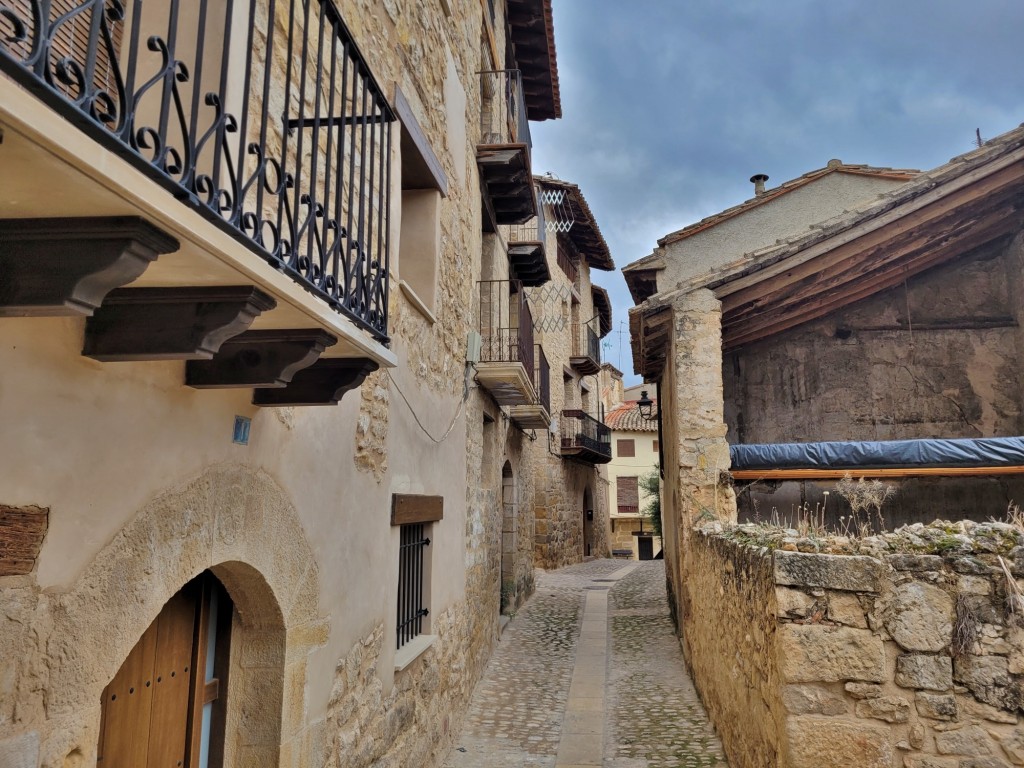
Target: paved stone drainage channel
x,y
562,690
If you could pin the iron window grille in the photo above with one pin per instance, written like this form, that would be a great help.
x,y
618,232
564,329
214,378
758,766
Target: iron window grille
x,y
262,115
411,610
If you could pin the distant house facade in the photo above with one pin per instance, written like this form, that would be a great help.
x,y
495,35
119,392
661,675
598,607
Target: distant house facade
x,y
634,454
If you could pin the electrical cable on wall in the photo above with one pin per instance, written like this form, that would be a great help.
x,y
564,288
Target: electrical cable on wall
x,y
455,418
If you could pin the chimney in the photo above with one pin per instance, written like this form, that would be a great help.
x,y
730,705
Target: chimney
x,y
758,180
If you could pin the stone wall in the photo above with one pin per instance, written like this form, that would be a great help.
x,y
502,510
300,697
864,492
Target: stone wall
x,y
935,357
730,647
905,649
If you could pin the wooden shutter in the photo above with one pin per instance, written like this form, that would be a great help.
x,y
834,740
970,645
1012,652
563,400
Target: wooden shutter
x,y
627,495
625,448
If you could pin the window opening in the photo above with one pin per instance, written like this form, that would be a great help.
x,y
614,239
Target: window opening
x,y
411,609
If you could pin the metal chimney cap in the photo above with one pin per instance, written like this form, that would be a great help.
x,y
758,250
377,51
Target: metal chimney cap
x,y
758,180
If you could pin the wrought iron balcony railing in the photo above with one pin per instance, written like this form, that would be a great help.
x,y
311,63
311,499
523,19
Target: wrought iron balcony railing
x,y
568,266
542,378
585,436
506,324
503,117
586,346
262,115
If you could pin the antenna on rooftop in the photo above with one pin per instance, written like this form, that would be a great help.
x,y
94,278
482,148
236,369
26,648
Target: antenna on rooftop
x,y
977,137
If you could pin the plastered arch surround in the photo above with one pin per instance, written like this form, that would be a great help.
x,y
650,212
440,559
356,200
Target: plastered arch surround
x,y
238,522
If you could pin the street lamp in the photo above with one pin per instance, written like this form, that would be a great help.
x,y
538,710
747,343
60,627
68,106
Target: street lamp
x,y
646,406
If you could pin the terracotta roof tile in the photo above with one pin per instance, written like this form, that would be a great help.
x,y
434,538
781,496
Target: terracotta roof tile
x,y
626,417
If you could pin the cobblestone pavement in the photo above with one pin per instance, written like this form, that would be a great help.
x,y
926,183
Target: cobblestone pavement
x,y
651,714
655,714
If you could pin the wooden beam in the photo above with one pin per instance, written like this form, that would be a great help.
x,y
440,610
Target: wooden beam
x,y
323,383
22,530
59,267
171,323
414,508
259,359
823,301
831,474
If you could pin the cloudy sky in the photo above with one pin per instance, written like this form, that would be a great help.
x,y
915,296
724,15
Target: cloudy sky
x,y
671,105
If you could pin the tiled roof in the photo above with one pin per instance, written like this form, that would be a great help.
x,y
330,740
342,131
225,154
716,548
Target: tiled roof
x,y
922,182
626,417
834,166
585,233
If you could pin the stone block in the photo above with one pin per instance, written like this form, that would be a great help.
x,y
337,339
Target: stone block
x,y
815,653
930,761
1013,746
938,706
920,617
845,608
863,690
813,700
987,677
892,709
792,603
976,709
911,562
984,762
933,673
849,573
20,751
818,741
971,741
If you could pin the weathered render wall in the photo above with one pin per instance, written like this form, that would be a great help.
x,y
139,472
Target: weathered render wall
x,y
145,489
936,357
909,654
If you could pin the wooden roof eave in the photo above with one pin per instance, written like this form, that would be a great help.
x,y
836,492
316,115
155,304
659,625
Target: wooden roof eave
x,y
853,264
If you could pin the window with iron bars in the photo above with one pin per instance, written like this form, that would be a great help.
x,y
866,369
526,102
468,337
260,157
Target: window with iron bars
x,y
413,543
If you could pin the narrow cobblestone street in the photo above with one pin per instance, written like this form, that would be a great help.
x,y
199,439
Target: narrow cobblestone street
x,y
589,673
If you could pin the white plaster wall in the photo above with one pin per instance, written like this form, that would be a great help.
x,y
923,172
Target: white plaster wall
x,y
645,460
785,216
95,442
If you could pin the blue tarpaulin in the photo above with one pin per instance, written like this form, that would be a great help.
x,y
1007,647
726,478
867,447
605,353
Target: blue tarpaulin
x,y
981,452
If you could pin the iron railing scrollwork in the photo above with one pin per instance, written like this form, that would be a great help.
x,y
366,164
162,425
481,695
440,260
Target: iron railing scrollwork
x,y
580,430
506,324
261,114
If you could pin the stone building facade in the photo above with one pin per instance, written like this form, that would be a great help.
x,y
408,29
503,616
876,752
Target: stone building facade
x,y
819,327
175,293
571,315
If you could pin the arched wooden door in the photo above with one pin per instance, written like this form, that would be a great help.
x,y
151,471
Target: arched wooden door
x,y
165,706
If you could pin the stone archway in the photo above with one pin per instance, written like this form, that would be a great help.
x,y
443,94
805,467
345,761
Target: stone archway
x,y
237,522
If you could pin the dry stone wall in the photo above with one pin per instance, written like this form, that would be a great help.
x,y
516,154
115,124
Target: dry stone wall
x,y
905,649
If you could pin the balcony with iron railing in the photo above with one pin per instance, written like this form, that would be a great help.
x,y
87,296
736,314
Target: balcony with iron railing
x,y
263,122
526,250
536,415
506,366
503,153
585,437
586,347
